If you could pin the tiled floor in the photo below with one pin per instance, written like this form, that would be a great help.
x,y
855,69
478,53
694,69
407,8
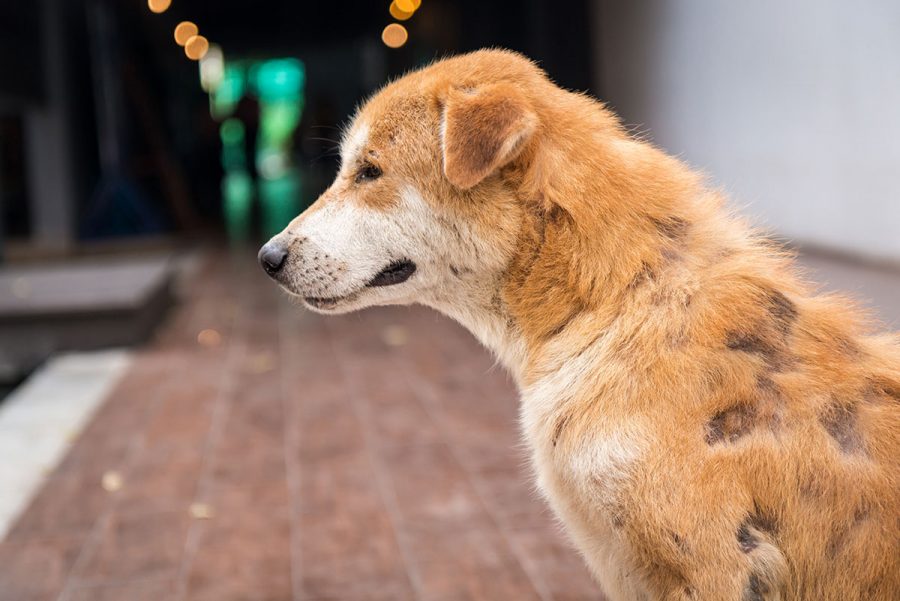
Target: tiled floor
x,y
256,452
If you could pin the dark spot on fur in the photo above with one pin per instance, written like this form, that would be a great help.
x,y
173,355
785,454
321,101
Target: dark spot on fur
x,y
644,275
497,305
756,589
576,310
848,347
455,270
617,518
748,343
841,536
812,487
763,521
558,215
839,420
680,542
886,388
746,540
590,344
775,356
672,227
730,425
768,339
770,403
783,311
755,523
670,255
558,429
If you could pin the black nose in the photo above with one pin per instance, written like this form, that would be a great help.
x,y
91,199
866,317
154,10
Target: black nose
x,y
271,257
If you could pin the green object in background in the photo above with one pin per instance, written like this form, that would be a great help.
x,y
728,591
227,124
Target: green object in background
x,y
234,156
279,85
231,132
279,79
226,97
237,195
280,200
278,120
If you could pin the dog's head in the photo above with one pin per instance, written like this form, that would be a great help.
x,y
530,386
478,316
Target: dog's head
x,y
419,207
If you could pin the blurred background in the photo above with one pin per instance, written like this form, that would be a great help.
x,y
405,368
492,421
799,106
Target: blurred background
x,y
172,428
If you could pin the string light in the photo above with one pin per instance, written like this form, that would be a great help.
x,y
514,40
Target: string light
x,y
196,47
394,35
398,13
212,69
185,31
159,6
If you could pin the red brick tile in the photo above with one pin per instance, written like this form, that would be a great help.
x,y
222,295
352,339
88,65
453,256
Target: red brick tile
x,y
248,462
153,589
65,504
347,546
250,477
242,555
36,569
160,479
555,564
118,423
135,546
468,563
432,489
390,407
184,414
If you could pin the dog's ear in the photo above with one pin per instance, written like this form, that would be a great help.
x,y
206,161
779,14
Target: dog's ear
x,y
482,130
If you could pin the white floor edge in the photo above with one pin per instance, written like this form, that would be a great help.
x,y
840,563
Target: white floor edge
x,y
40,420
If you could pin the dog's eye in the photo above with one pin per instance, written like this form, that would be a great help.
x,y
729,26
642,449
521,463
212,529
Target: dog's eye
x,y
367,173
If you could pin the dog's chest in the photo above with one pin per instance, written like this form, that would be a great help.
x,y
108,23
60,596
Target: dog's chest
x,y
591,507
588,483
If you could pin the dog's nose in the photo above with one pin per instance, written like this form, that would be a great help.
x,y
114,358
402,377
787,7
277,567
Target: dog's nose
x,y
271,257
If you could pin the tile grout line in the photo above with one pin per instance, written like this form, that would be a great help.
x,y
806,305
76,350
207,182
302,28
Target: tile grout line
x,y
92,539
385,488
291,465
221,411
131,457
422,391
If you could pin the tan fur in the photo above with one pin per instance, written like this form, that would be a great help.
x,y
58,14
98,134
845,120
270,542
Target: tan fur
x,y
705,425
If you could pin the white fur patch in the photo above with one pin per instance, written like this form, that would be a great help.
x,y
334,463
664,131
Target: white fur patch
x,y
610,451
353,144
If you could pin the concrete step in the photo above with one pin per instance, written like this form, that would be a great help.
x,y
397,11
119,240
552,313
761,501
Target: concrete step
x,y
79,305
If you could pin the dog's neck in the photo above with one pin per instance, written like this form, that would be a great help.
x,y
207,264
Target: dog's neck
x,y
480,308
581,251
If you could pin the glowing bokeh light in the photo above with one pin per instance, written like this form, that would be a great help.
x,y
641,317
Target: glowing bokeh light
x,y
394,35
212,69
159,6
196,47
185,31
209,338
398,13
407,6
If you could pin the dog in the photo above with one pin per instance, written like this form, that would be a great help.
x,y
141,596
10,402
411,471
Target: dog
x,y
704,424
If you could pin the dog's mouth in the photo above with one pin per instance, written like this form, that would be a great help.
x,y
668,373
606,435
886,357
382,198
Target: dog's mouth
x,y
396,272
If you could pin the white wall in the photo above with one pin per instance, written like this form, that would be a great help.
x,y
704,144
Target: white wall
x,y
793,106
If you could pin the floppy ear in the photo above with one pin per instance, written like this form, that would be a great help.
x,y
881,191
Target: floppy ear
x,y
484,130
